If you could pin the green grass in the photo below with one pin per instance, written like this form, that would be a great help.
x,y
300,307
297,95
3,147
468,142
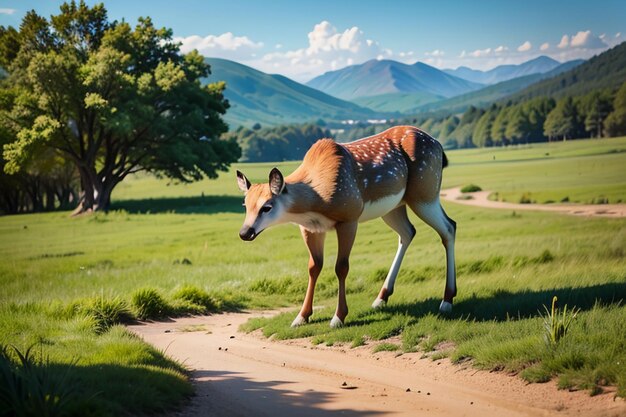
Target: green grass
x,y
66,283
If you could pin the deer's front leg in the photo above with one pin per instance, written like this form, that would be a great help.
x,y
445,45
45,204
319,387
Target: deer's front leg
x,y
346,232
315,243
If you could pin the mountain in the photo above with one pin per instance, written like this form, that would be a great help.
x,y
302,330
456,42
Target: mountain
x,y
375,77
495,92
501,73
257,97
397,102
605,70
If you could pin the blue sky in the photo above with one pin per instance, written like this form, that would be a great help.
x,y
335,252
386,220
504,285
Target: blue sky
x,y
302,39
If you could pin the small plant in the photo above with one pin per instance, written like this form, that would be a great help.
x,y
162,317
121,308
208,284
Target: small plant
x,y
471,188
149,304
556,323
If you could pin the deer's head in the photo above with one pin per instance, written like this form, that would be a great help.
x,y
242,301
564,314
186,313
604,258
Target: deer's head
x,y
265,203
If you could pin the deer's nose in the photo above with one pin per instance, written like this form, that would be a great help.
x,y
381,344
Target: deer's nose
x,y
247,233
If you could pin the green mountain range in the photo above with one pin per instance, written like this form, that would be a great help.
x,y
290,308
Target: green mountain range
x,y
256,97
606,70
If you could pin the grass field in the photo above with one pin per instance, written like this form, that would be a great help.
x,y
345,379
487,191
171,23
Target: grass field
x,y
65,282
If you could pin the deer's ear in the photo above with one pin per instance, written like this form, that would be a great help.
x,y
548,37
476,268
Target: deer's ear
x,y
277,182
242,182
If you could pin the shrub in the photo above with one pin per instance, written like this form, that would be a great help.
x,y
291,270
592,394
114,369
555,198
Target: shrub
x,y
525,199
149,304
471,188
196,296
106,312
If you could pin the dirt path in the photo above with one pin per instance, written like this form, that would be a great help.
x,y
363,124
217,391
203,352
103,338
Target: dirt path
x,y
481,199
237,374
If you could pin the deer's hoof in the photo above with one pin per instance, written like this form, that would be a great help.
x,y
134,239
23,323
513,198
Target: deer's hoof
x,y
445,307
336,322
378,304
299,321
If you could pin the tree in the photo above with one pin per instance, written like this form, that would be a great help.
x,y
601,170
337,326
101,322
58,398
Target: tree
x,y
563,121
615,123
112,100
481,136
594,108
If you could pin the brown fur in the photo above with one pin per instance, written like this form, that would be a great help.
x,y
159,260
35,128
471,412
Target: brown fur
x,y
338,179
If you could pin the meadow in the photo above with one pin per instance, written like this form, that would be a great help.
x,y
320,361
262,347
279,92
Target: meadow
x,y
66,283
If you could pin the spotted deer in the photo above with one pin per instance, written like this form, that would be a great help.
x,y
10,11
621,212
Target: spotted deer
x,y
339,185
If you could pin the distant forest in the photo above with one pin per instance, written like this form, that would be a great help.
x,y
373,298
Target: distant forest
x,y
599,113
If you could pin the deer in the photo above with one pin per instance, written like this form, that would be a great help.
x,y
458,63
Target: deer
x,y
337,186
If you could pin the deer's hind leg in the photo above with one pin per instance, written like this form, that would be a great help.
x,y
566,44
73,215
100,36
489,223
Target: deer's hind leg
x,y
433,215
315,243
398,220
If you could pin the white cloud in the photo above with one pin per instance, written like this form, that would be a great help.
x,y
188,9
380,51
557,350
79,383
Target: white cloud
x,y
435,53
328,49
525,47
278,46
7,11
479,52
587,40
564,42
501,49
544,46
225,45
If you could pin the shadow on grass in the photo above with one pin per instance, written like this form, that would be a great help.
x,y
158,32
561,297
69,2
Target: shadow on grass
x,y
97,390
504,305
217,391
182,205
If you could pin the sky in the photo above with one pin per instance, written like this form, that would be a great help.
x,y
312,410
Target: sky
x,y
303,39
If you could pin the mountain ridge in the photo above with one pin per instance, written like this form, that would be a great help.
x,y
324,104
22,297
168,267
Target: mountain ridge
x,y
376,77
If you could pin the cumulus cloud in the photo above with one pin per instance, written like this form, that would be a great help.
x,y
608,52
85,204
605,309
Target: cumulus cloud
x,y
564,42
7,11
226,45
587,40
544,46
526,46
501,49
328,49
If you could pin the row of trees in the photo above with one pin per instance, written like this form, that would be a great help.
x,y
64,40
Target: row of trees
x,y
84,102
601,113
281,143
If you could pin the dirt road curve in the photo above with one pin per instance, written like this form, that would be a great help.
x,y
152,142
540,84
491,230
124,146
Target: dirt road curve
x,y
481,199
246,375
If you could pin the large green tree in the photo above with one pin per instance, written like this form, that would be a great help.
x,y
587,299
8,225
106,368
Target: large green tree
x,y
111,99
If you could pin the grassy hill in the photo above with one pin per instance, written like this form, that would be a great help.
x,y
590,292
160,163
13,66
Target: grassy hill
x,y
606,70
398,102
274,99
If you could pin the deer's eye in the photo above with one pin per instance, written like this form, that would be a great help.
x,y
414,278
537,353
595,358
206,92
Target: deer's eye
x,y
266,209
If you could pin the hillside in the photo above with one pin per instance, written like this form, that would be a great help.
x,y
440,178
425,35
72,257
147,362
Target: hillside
x,y
256,97
374,78
397,102
495,92
539,65
606,70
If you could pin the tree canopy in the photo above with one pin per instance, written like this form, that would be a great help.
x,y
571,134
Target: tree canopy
x,y
109,98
